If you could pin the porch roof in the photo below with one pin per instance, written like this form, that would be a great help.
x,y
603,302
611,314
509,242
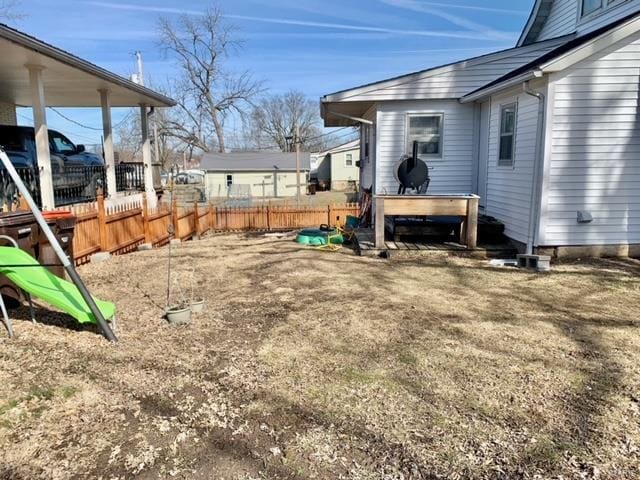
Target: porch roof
x,y
69,81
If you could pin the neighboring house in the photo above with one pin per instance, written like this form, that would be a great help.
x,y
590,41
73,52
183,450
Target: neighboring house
x,y
254,174
547,133
338,168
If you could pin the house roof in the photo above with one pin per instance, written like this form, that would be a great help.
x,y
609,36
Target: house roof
x,y
254,161
70,81
451,81
345,147
574,45
539,15
352,145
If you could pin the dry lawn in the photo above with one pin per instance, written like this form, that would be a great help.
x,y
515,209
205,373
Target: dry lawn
x,y
329,366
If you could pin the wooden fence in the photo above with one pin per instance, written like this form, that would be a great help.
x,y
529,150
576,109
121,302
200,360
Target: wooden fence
x,y
123,228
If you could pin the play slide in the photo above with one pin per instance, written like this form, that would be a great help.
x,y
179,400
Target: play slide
x,y
25,271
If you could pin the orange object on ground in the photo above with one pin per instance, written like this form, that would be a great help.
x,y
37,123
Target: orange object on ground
x,y
54,215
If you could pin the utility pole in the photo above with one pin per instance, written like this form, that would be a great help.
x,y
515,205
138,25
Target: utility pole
x,y
140,76
297,140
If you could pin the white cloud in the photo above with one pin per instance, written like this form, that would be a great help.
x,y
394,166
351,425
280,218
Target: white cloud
x,y
421,7
505,11
476,32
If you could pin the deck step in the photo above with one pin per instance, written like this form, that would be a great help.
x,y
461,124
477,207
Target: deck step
x,y
365,245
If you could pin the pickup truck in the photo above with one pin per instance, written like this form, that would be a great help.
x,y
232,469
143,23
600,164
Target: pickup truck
x,y
72,180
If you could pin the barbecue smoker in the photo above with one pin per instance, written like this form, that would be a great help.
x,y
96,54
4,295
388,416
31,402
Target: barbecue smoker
x,y
412,173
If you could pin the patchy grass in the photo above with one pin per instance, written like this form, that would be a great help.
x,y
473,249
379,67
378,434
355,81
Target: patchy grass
x,y
316,365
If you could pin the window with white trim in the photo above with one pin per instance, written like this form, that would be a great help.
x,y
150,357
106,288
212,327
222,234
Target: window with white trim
x,y
229,180
590,6
348,160
507,148
426,129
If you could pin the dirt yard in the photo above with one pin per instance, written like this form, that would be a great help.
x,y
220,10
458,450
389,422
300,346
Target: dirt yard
x,y
311,365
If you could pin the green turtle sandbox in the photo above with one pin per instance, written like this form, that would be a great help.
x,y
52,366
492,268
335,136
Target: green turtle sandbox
x,y
317,237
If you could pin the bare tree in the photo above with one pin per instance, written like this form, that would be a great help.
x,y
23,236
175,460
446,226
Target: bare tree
x,y
128,136
273,121
9,10
206,92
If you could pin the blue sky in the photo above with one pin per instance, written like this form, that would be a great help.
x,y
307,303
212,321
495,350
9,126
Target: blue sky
x,y
316,46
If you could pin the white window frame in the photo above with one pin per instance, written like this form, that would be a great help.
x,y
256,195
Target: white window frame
x,y
500,161
409,143
348,157
226,179
603,4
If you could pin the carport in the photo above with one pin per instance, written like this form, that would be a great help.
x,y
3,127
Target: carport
x,y
38,75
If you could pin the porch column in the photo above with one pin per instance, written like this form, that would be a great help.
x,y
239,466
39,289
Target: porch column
x,y
42,136
146,157
109,156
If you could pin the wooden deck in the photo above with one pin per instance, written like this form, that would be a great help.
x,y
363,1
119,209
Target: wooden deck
x,y
366,246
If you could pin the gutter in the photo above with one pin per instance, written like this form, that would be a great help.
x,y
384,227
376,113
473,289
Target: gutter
x,y
534,210
489,91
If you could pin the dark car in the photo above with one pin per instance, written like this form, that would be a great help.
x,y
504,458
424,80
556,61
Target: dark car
x,y
76,172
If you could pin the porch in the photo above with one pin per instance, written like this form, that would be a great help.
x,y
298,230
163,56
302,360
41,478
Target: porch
x,y
38,75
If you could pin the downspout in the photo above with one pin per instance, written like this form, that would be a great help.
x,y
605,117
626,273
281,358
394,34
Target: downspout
x,y
534,210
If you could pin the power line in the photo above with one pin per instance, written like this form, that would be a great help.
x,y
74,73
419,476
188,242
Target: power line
x,y
91,139
326,134
75,122
317,137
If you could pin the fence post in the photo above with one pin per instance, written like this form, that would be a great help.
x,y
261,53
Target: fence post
x,y
330,214
145,219
269,216
214,217
196,218
175,219
102,222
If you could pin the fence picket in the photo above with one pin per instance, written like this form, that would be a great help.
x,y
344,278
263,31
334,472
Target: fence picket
x,y
119,229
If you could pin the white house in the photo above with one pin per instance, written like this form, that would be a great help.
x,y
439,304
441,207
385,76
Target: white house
x,y
546,133
338,168
255,174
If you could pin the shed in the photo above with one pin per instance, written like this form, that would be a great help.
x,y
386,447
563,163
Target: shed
x,y
255,174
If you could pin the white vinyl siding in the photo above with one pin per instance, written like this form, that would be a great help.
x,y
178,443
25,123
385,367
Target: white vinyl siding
x,y
565,17
509,189
452,81
451,174
562,19
594,159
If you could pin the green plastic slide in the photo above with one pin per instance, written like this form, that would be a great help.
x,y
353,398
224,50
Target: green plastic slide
x,y
25,271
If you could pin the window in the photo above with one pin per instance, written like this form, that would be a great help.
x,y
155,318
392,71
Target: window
x,y
61,144
590,6
507,135
427,131
348,160
229,180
